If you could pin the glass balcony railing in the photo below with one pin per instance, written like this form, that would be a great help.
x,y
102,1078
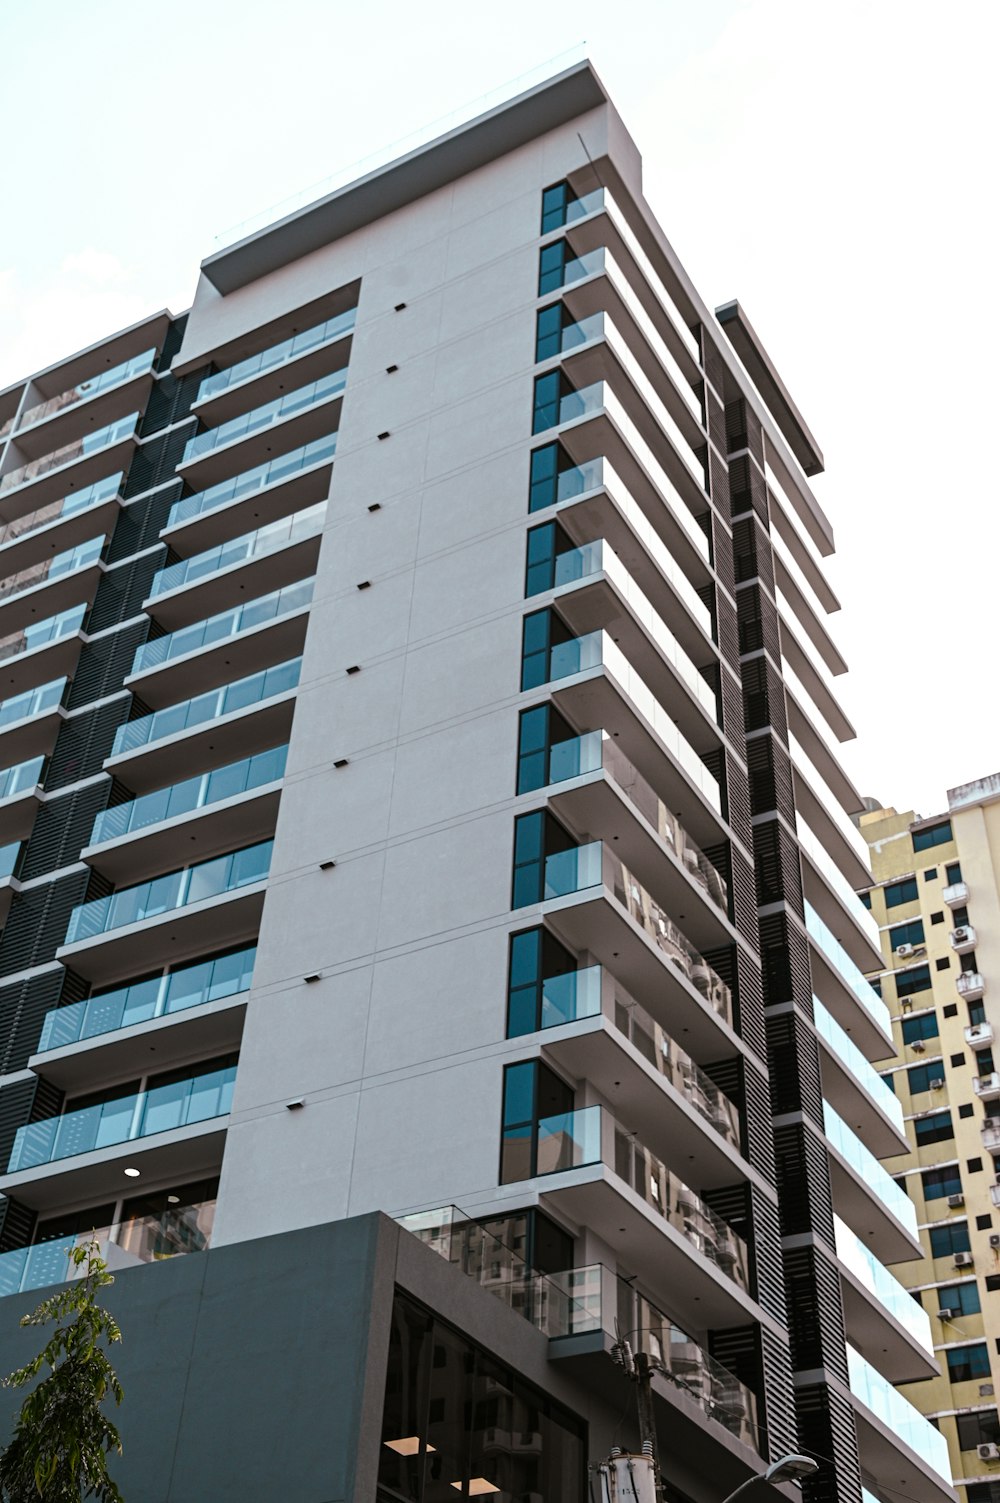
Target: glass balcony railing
x,y
323,390
227,624
582,563
598,650
194,793
824,795
847,1051
818,854
257,544
239,695
592,1298
898,1414
67,506
279,354
52,568
851,1148
583,867
167,894
596,751
161,1108
80,448
41,633
140,1237
575,268
155,997
571,336
254,480
116,376
15,780
573,209
8,859
31,703
685,1211
877,1279
853,978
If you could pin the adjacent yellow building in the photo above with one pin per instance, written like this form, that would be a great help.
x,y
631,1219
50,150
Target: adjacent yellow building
x,y
936,899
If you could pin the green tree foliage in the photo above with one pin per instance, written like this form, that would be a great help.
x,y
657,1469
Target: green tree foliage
x,y
62,1440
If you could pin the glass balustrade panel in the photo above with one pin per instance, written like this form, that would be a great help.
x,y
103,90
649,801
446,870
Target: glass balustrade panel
x,y
15,780
251,481
33,702
898,1414
877,1279
53,629
223,626
239,695
264,540
119,374
852,1058
278,354
322,390
868,1168
80,448
853,978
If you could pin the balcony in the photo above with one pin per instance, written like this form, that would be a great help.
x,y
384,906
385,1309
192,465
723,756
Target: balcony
x,y
125,374
655,845
879,1312
249,715
194,1008
868,1198
297,417
895,1439
583,1310
54,641
29,722
670,1099
272,490
597,684
78,1154
990,1130
51,583
963,939
65,522
168,665
979,1036
593,591
214,810
94,451
970,985
210,904
833,897
987,1087
842,987
269,558
956,894
299,358
670,1230
827,818
856,1090
19,791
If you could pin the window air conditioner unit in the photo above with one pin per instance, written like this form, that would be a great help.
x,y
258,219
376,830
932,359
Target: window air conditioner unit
x,y
957,1200
918,1046
937,1083
963,1260
988,1452
903,951
946,1313
995,1239
961,934
986,1390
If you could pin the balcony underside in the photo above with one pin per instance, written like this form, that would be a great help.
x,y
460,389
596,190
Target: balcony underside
x,y
223,662
230,587
643,1102
857,1203
56,536
186,1153
852,1102
831,909
126,1053
234,518
880,1338
63,480
213,743
196,836
265,443
40,665
256,391
17,815
76,420
35,736
76,587
181,934
848,1010
885,1456
819,821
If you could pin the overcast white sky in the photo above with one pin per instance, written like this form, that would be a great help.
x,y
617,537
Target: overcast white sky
x,y
831,165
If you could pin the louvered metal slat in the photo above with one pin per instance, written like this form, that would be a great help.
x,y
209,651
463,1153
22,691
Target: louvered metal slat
x,y
738,799
759,1145
803,1182
17,1224
62,829
827,1429
123,589
139,525
36,924
172,342
713,363
105,663
170,401
22,1010
781,1430
83,743
157,459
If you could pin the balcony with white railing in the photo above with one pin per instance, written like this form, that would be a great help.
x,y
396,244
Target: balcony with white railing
x,y
268,558
292,361
881,1314
846,991
980,1036
60,524
867,1197
956,894
248,715
189,1011
212,812
271,626
963,939
283,484
970,985
45,475
296,417
210,904
895,1439
856,1089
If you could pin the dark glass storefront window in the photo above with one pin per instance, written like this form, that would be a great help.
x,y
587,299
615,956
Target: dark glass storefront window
x,y
458,1424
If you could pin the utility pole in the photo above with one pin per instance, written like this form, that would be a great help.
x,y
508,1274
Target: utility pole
x,y
639,1370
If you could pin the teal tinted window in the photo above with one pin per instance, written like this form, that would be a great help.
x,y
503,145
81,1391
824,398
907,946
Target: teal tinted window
x,y
919,1077
543,487
901,892
549,391
917,979
965,1362
907,934
937,1183
551,261
554,201
953,873
963,1298
548,330
923,1027
935,1128
940,834
948,1240
866,899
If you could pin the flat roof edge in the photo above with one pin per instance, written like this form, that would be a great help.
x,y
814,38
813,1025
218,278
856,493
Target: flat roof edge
x,y
748,346
421,171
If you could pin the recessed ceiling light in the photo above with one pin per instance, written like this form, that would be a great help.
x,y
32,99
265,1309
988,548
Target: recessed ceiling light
x,y
132,1173
173,1200
408,1445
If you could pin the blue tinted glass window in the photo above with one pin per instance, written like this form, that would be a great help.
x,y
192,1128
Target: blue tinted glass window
x,y
953,873
548,391
543,489
937,1183
919,1077
935,1128
917,979
901,892
551,261
907,934
948,1240
554,201
923,1027
961,1297
933,835
965,1362
548,331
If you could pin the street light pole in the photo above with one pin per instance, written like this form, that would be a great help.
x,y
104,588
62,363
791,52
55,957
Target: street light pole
x,y
785,1469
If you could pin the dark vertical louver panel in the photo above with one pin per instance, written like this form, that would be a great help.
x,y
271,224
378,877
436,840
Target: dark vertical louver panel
x,y
713,363
62,829
36,924
816,1311
23,1005
781,1430
17,1224
793,1060
172,343
738,800
827,1431
16,1106
759,1146
803,1182
156,459
123,589
776,861
170,401
105,663
83,743
139,525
